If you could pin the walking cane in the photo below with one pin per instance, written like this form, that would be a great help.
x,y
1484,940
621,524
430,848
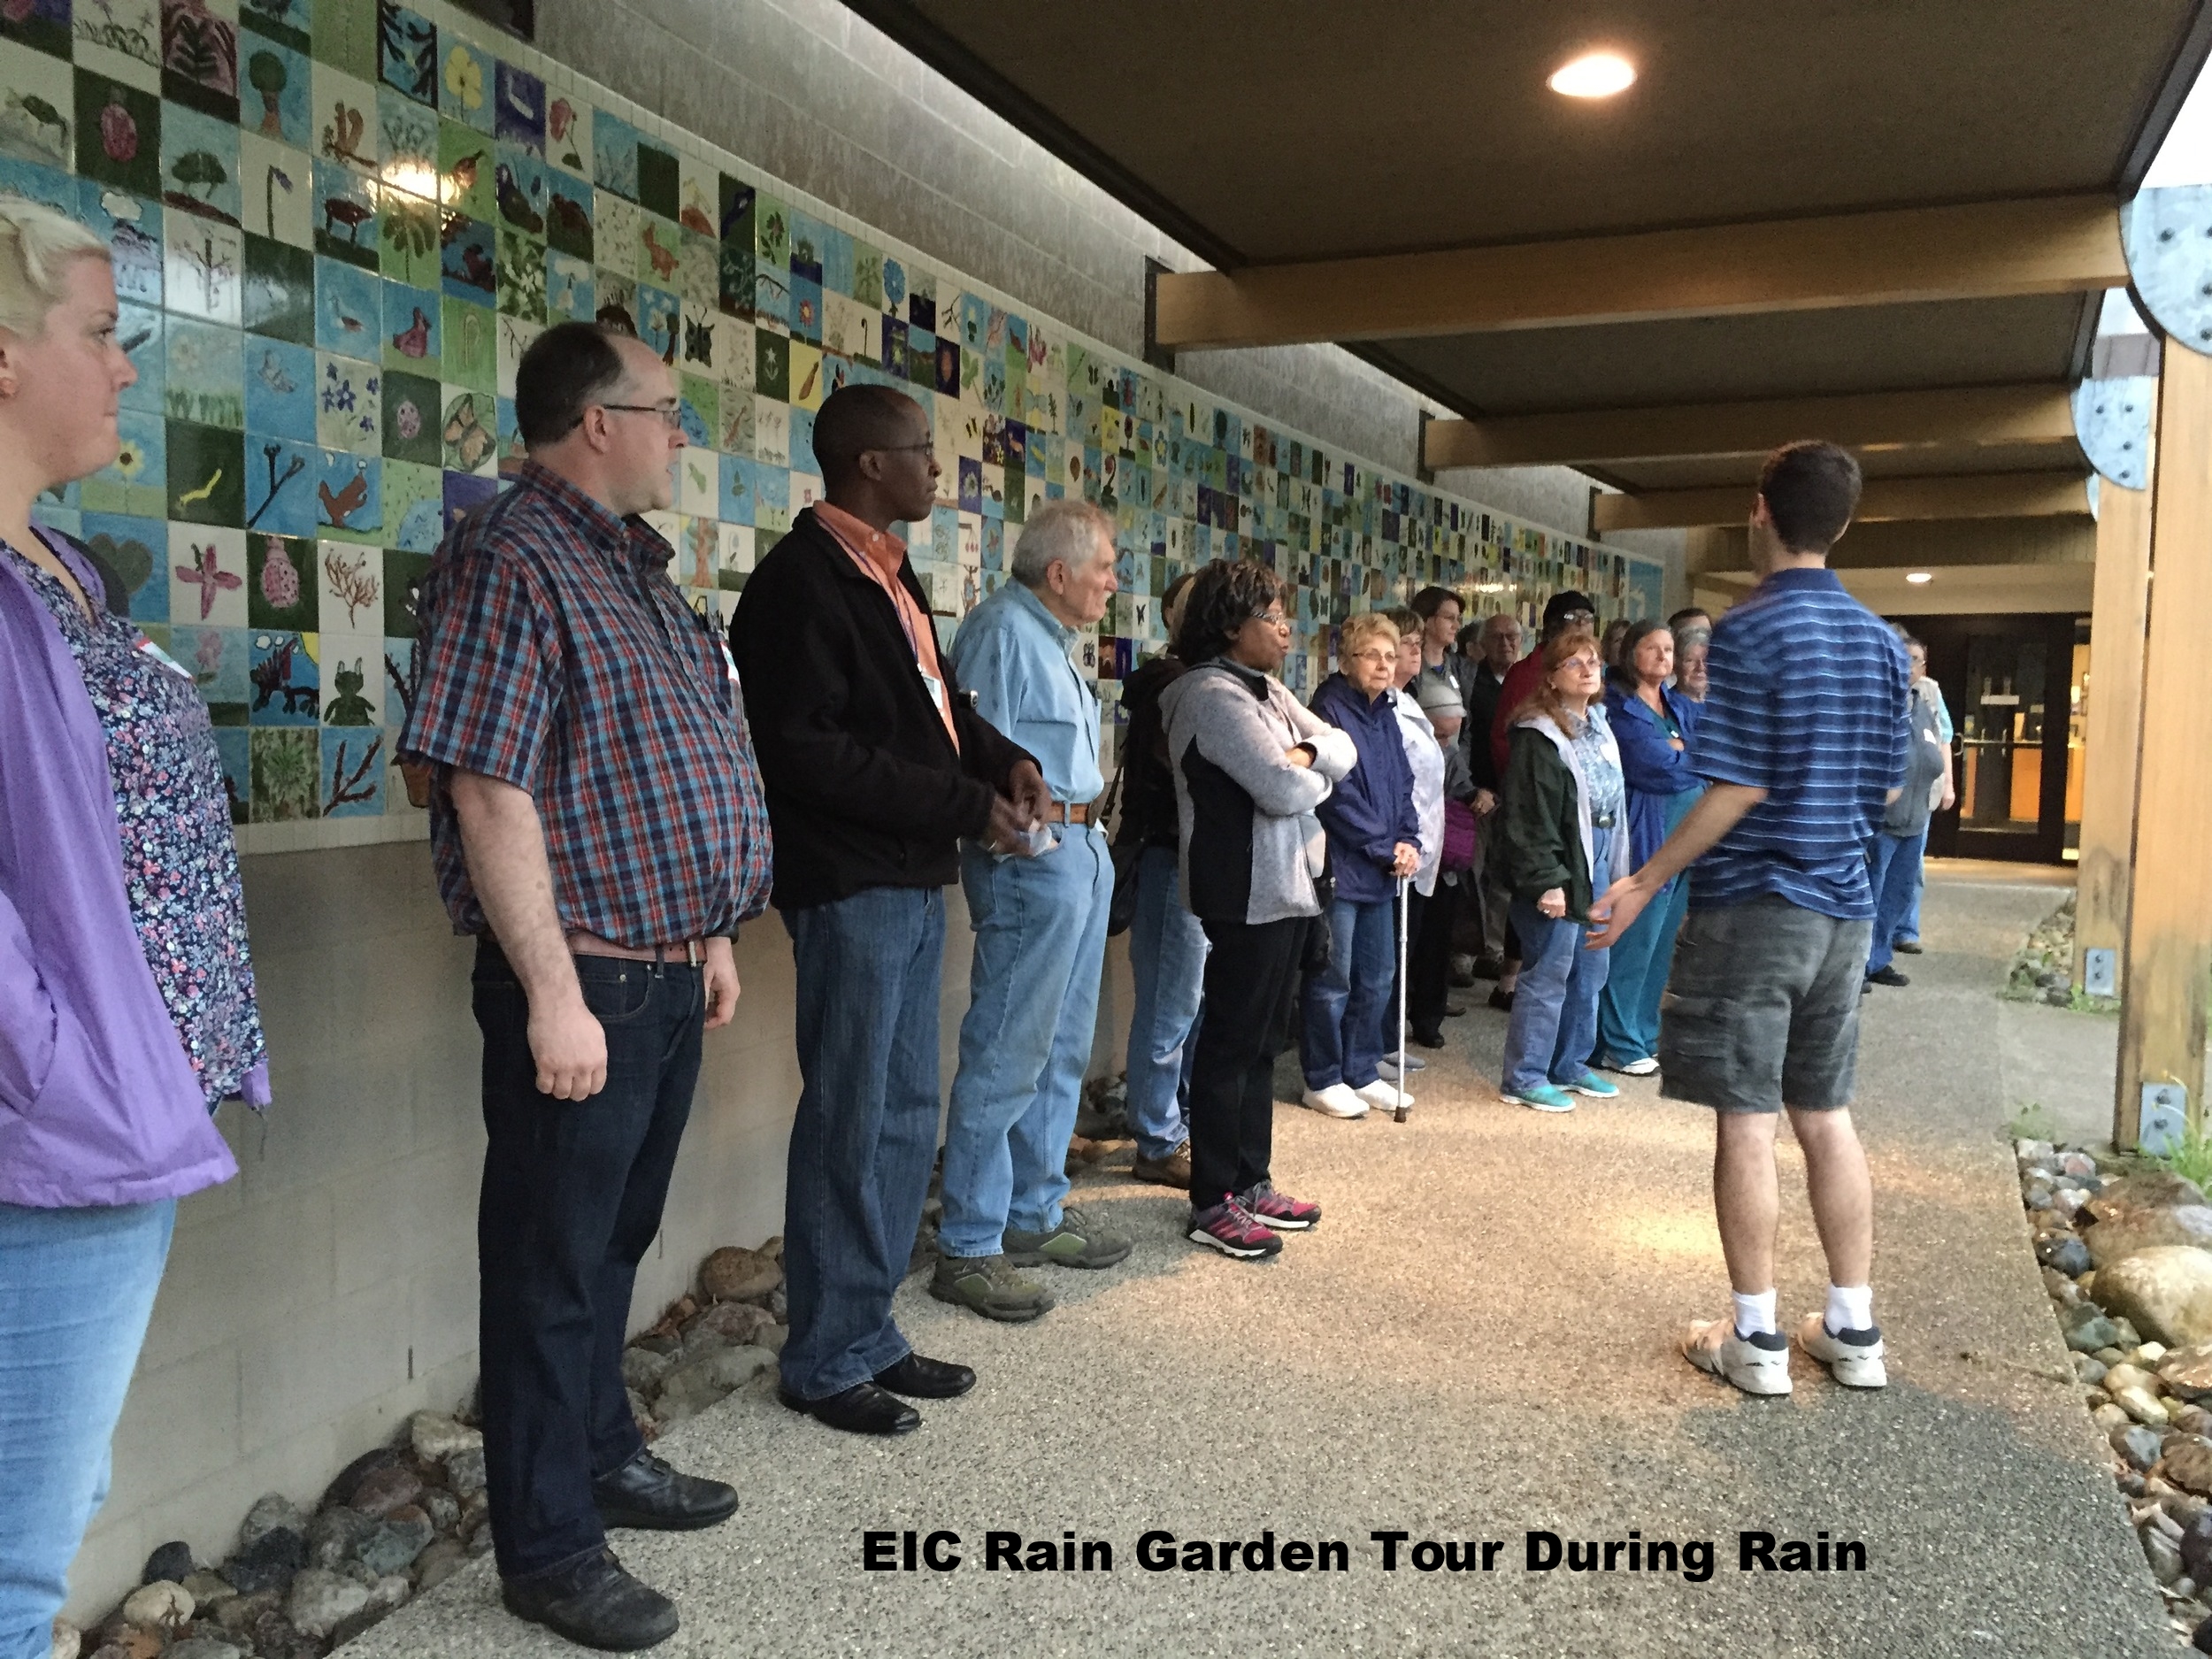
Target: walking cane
x,y
1400,1116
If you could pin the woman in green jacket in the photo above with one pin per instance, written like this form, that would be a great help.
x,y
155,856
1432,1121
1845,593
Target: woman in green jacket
x,y
1560,832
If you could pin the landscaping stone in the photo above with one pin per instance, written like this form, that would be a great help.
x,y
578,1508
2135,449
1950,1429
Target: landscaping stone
x,y
2087,1330
439,1563
341,1490
2165,1290
268,1563
241,1613
2109,1417
209,1590
736,1324
697,1383
436,1437
2188,1370
2151,1189
643,1369
2088,1368
173,1562
271,1511
383,1490
2187,1463
68,1640
2163,1555
731,1274
2065,1252
443,1508
162,1605
2139,1446
395,1542
464,1473
2135,1230
335,1534
203,1648
321,1601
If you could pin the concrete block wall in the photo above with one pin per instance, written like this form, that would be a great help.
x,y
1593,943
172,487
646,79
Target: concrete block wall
x,y
314,1302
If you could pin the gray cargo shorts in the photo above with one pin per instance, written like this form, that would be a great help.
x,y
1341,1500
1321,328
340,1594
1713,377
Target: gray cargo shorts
x,y
1762,1009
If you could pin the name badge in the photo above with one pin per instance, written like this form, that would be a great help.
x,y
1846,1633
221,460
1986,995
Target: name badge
x,y
147,648
936,690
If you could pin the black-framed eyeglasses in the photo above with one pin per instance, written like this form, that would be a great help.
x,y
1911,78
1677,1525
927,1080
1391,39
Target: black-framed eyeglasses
x,y
672,414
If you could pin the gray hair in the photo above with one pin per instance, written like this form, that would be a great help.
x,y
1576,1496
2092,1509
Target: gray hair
x,y
37,246
1060,530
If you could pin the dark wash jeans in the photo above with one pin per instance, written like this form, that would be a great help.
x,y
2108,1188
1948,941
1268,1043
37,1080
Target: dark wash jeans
x,y
865,1133
572,1200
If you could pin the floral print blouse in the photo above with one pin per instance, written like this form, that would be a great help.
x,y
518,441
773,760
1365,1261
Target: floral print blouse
x,y
180,862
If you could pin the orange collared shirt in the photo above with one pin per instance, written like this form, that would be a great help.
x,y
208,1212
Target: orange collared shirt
x,y
881,555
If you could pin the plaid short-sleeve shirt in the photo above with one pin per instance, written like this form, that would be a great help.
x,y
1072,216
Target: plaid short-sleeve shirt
x,y
557,655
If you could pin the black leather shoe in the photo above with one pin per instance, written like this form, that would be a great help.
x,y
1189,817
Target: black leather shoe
x,y
594,1602
1888,976
921,1379
1502,1000
646,1492
1427,1039
863,1409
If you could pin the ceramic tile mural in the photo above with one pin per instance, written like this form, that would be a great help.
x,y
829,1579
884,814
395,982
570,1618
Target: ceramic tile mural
x,y
337,225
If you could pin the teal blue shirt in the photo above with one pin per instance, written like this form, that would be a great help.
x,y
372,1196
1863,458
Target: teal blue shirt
x,y
1014,655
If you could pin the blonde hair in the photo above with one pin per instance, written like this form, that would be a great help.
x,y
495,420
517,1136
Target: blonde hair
x,y
1546,699
1368,624
37,246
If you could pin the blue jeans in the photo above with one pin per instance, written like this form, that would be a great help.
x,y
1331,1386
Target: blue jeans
x,y
1554,1022
1032,1012
1167,961
76,1289
1344,1001
1893,871
571,1202
1628,1007
865,1133
1909,929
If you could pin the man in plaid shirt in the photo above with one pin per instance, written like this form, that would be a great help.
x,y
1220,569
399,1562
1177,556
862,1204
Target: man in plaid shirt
x,y
597,823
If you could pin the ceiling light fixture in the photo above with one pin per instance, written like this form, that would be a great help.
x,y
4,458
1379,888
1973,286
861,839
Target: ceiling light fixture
x,y
1594,75
1918,576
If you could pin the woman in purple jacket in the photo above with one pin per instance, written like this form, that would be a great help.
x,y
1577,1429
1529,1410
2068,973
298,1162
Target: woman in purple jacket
x,y
126,1000
1374,838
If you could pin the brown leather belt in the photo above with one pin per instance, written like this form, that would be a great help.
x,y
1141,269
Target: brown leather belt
x,y
692,951
1068,812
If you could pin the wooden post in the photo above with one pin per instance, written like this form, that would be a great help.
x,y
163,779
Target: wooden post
x,y
2169,954
2118,613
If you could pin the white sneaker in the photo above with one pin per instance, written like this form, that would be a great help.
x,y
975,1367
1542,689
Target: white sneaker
x,y
1853,1358
1644,1067
1757,1364
1336,1100
1383,1095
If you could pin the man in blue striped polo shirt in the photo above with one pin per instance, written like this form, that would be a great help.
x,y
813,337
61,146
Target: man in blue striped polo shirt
x,y
1803,741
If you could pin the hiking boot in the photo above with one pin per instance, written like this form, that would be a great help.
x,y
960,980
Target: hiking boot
x,y
1280,1210
1231,1229
1542,1098
1172,1170
1384,1094
1853,1358
1336,1100
1590,1084
1758,1363
1078,1241
989,1286
1888,976
593,1604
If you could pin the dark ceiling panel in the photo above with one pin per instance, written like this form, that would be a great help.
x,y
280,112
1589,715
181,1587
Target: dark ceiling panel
x,y
1303,128
1720,359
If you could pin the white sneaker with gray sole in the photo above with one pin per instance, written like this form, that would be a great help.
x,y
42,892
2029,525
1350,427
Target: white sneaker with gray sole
x,y
1339,1100
1758,1363
1853,1358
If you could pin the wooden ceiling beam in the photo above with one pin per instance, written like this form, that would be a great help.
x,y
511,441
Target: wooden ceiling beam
x,y
1970,496
1866,420
1984,251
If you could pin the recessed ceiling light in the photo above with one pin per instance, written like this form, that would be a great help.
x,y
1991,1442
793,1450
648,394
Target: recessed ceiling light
x,y
1594,75
1918,576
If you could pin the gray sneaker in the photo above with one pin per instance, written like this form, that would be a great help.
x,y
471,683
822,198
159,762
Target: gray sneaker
x,y
1078,1241
989,1286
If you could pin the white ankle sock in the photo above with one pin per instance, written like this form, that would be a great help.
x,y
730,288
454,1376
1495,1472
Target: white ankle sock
x,y
1755,1315
1850,1307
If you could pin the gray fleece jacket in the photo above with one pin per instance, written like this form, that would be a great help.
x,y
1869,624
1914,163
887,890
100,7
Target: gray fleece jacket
x,y
1251,847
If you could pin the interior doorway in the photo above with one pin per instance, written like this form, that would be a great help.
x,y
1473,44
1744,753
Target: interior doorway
x,y
2015,687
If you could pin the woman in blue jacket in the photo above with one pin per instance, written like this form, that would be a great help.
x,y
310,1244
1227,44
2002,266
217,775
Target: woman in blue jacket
x,y
1652,722
1374,838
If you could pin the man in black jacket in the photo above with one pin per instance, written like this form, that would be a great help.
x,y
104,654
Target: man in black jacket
x,y
875,766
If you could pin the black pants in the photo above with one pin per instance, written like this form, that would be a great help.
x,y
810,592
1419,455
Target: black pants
x,y
1252,976
1429,957
572,1199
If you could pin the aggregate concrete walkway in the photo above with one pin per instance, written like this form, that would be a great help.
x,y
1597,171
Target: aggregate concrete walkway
x,y
1478,1341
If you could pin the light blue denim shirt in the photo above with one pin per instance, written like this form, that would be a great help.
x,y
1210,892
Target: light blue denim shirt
x,y
1013,654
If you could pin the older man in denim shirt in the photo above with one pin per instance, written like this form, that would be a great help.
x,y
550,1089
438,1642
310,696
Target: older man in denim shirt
x,y
1040,935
